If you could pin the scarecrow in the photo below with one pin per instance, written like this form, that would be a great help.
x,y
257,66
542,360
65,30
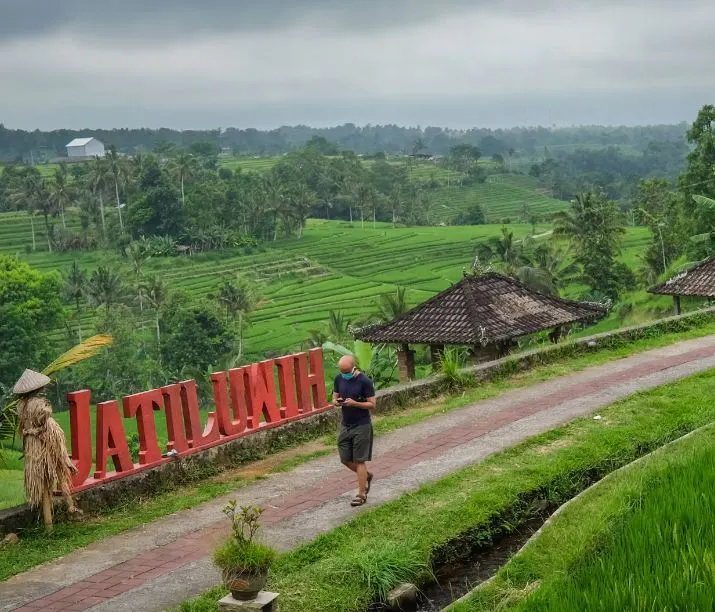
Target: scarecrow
x,y
48,467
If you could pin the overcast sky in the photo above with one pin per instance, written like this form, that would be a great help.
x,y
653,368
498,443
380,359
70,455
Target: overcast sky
x,y
457,63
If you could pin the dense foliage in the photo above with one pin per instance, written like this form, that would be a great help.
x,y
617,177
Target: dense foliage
x,y
30,306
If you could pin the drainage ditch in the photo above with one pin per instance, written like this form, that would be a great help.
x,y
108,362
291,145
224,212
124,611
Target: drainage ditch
x,y
458,578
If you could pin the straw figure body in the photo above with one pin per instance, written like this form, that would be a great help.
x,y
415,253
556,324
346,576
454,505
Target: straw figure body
x,y
48,467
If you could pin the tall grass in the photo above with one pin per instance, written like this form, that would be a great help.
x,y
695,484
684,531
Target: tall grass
x,y
660,557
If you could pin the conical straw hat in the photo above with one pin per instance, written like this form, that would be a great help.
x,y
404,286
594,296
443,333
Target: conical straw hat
x,y
30,381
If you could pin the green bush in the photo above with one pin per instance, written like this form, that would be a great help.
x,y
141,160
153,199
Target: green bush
x,y
250,556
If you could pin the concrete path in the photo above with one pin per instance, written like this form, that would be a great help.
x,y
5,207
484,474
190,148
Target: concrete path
x,y
160,564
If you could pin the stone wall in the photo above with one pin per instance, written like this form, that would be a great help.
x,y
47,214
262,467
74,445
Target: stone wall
x,y
213,460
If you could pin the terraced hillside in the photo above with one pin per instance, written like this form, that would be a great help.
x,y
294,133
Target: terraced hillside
x,y
507,199
335,266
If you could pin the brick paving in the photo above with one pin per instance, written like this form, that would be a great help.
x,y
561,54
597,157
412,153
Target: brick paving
x,y
105,586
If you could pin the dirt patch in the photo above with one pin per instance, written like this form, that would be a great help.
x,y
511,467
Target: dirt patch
x,y
260,468
547,449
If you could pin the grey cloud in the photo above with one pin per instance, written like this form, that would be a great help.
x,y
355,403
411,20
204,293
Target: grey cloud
x,y
459,63
173,18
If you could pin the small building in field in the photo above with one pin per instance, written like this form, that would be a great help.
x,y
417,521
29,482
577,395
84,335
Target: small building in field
x,y
485,313
696,282
83,148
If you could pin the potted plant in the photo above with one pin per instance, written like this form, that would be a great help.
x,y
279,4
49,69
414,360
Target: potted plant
x,y
243,562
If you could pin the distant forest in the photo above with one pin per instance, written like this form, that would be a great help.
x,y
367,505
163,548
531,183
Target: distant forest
x,y
24,146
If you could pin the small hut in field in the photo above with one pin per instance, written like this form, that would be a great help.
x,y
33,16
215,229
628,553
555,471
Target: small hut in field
x,y
697,282
486,313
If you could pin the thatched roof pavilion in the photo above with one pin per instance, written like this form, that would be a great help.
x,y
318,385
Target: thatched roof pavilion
x,y
487,311
698,281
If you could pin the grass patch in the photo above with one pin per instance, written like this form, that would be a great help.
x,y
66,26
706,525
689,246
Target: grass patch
x,y
647,533
467,507
37,548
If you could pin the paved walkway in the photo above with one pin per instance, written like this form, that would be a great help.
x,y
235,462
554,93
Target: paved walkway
x,y
158,565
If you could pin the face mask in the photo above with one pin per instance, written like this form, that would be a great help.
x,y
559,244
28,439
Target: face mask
x,y
348,375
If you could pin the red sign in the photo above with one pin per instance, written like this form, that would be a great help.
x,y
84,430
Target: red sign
x,y
246,400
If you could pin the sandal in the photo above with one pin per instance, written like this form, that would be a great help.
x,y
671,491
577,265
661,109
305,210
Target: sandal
x,y
358,500
369,480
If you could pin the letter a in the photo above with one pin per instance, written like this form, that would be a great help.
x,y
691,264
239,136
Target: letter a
x,y
81,435
111,441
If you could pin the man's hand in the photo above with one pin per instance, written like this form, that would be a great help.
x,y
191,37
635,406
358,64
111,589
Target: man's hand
x,y
348,401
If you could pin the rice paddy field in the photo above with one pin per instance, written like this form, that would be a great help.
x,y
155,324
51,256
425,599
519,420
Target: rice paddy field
x,y
642,539
335,266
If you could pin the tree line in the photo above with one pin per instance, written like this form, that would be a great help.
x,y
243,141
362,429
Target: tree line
x,y
181,197
24,146
588,238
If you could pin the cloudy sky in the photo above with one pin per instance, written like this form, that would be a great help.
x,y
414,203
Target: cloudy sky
x,y
265,63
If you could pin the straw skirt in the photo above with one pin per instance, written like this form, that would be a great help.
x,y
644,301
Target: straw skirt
x,y
47,463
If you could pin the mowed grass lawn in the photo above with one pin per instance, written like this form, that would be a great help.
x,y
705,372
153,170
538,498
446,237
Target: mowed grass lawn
x,y
642,539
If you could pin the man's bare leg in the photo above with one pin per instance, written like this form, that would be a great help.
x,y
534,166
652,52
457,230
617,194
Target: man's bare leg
x,y
350,465
361,469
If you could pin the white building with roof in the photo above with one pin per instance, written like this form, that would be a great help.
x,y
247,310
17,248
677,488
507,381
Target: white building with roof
x,y
85,147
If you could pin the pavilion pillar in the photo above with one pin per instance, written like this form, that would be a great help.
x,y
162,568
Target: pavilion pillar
x,y
436,353
406,363
676,304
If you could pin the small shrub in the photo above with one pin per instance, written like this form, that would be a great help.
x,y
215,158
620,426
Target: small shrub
x,y
452,364
247,556
240,551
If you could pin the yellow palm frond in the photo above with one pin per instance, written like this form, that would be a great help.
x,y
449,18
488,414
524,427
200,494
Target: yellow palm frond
x,y
75,355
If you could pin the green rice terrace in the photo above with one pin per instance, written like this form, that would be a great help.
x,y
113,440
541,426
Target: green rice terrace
x,y
335,266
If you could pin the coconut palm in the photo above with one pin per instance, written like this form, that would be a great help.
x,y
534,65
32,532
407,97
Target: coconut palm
x,y
98,179
391,305
61,191
504,252
105,288
239,298
155,292
26,195
138,256
75,288
396,202
300,203
118,171
274,198
184,167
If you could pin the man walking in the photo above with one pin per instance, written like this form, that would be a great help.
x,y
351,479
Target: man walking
x,y
355,394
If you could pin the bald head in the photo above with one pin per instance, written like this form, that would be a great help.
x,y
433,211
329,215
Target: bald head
x,y
346,364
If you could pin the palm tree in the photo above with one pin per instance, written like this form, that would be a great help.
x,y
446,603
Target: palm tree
x,y
46,205
118,172
391,305
98,181
105,288
506,252
557,264
366,197
155,292
240,299
396,202
184,167
62,192
25,196
301,201
75,288
274,196
316,338
338,326
138,256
